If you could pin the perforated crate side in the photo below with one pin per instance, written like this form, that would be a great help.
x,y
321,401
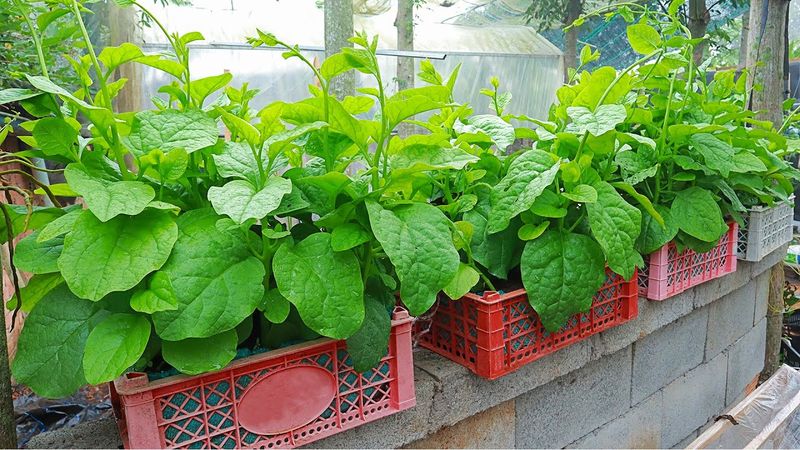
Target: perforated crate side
x,y
765,229
226,409
495,334
668,272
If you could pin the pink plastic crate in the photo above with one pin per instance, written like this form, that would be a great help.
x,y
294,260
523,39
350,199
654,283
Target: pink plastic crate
x,y
494,334
668,272
279,399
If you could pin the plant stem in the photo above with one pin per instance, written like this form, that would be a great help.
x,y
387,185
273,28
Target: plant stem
x,y
116,147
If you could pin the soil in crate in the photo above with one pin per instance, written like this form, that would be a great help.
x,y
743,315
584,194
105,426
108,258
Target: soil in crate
x,y
494,334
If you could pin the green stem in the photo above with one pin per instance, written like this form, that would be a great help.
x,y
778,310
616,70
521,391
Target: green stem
x,y
116,147
788,120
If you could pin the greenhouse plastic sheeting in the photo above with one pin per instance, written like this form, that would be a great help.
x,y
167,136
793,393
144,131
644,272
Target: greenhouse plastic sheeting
x,y
768,418
527,65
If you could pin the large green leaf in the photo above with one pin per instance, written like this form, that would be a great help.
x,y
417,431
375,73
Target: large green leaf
x,y
216,279
498,252
114,345
241,201
600,121
419,157
197,355
561,272
717,154
37,287
654,235
644,39
105,198
190,130
275,306
38,218
103,257
58,227
113,57
418,241
466,278
52,344
616,224
499,131
348,235
33,256
204,87
697,214
325,286
237,160
410,102
371,342
55,137
528,175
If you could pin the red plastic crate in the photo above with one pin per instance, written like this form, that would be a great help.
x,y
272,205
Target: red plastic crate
x,y
668,272
495,334
279,399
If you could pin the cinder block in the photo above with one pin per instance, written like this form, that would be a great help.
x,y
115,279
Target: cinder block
x,y
691,400
493,428
762,296
572,406
640,427
668,353
745,361
729,318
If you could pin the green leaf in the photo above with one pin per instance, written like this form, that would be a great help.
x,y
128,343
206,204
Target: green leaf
x,y
166,130
561,272
33,256
697,214
418,241
216,279
616,225
655,235
58,227
529,231
370,343
37,287
170,166
114,345
158,296
644,39
275,306
348,235
108,199
418,157
466,278
237,160
52,343
582,193
550,205
241,128
22,221
410,102
169,66
643,201
55,137
528,175
598,122
745,162
198,355
13,95
204,87
497,252
718,155
103,257
325,286
334,65
501,132
240,201
113,57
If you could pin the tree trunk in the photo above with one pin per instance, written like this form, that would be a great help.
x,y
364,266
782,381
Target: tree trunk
x,y
772,359
765,58
404,22
122,26
743,40
574,10
338,29
698,25
8,429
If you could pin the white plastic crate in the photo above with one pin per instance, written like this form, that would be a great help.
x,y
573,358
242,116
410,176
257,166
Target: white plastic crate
x,y
765,229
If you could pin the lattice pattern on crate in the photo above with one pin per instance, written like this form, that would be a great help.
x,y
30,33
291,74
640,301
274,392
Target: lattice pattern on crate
x,y
455,330
764,230
668,272
204,415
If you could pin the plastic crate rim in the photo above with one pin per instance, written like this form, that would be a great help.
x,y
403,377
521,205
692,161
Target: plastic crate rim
x,y
762,208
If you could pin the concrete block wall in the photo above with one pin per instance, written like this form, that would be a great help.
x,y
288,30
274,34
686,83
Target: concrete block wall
x,y
653,382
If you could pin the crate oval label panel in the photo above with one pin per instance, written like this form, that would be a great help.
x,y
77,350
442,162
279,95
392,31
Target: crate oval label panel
x,y
286,400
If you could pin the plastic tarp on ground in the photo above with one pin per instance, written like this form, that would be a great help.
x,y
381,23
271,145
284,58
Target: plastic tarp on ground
x,y
527,64
768,418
